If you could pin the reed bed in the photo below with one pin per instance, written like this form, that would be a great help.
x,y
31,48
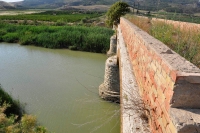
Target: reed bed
x,y
92,39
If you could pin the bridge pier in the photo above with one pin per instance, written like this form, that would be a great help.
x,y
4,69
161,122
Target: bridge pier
x,y
110,88
113,46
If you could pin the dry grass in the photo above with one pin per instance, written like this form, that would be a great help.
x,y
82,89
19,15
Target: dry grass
x,y
142,22
182,37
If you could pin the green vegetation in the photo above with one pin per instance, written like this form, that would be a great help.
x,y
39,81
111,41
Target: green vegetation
x,y
92,39
184,42
53,16
49,29
11,119
115,12
14,106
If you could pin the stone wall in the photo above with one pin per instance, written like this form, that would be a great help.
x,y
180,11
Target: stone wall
x,y
133,117
164,78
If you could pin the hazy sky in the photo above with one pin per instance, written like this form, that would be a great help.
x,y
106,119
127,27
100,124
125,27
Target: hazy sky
x,y
11,0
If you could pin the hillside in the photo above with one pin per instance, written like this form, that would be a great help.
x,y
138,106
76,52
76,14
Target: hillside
x,y
61,3
5,5
182,6
69,2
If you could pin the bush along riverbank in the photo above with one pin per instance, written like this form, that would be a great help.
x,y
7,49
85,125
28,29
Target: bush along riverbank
x,y
92,39
11,118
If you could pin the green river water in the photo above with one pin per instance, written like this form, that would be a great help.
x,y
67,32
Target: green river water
x,y
59,87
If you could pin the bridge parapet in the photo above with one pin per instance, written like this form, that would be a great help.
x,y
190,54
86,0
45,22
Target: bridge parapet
x,y
133,117
166,81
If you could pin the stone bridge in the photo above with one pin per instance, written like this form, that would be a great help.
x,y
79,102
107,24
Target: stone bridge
x,y
158,90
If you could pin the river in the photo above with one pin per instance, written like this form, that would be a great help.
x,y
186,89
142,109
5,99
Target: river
x,y
59,87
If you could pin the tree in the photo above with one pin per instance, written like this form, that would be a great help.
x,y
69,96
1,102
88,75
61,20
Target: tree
x,y
115,12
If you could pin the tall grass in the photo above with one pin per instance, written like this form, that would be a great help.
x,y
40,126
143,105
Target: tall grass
x,y
92,39
184,42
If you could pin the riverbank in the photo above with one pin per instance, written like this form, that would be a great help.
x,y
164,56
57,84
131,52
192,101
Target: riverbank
x,y
14,105
11,119
91,39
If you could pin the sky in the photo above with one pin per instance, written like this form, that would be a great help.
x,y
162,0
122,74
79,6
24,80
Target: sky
x,y
11,0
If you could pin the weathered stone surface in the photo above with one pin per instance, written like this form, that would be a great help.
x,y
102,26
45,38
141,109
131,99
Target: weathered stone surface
x,y
154,75
193,78
113,46
109,89
186,94
167,54
186,120
164,78
132,107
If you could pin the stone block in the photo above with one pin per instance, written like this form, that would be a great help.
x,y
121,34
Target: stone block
x,y
186,95
110,89
113,46
176,81
186,120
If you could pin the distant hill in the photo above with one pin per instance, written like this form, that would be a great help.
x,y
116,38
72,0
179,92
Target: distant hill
x,y
182,6
70,2
5,5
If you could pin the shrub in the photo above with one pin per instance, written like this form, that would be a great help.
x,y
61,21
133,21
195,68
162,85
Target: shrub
x,y
28,40
11,37
14,106
93,39
115,12
11,119
2,32
60,23
27,124
27,37
73,47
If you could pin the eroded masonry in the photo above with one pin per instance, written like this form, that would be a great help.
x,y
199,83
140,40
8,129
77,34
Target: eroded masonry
x,y
159,89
